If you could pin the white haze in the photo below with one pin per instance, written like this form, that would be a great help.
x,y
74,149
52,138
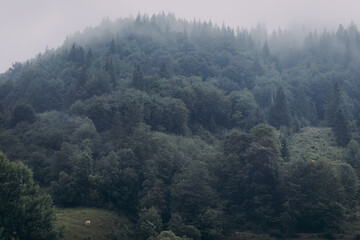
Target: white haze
x,y
30,26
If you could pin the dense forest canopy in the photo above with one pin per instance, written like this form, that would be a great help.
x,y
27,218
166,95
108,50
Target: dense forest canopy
x,y
185,126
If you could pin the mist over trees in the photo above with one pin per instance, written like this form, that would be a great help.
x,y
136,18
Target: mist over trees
x,y
184,126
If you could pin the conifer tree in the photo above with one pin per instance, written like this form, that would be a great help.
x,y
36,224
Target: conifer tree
x,y
333,106
109,68
279,114
137,79
340,129
164,72
265,50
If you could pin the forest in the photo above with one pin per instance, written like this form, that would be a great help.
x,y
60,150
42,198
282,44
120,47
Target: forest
x,y
189,129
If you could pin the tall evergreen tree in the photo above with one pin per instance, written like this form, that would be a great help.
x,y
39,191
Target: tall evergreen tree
x,y
334,105
137,79
303,108
265,50
340,129
109,68
164,72
279,114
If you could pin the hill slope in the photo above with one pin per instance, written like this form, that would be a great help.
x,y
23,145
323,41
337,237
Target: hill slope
x,y
103,223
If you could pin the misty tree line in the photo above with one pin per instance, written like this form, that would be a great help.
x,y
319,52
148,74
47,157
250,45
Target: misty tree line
x,y
184,126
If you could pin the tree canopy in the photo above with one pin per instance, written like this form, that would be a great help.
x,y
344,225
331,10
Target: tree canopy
x,y
189,129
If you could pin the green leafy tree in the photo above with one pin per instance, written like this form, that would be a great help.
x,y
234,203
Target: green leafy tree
x,y
116,181
98,85
177,225
352,155
243,105
191,191
150,223
167,235
350,182
251,176
24,213
314,198
22,112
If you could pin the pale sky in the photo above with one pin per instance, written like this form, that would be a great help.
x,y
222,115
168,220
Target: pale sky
x,y
29,26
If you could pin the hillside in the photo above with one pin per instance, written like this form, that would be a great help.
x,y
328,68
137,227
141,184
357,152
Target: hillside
x,y
103,223
188,127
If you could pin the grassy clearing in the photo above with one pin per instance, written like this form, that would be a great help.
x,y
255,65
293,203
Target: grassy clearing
x,y
314,144
102,223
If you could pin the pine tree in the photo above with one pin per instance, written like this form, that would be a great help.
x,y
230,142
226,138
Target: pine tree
x,y
109,68
164,72
340,129
137,80
265,50
279,114
112,47
257,68
333,106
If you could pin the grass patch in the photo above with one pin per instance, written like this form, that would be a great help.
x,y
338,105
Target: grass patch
x,y
102,223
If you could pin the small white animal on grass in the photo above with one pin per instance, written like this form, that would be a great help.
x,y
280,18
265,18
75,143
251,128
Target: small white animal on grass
x,y
87,223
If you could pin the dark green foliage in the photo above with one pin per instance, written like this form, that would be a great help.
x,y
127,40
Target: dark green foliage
x,y
252,176
138,79
76,55
22,112
150,223
162,119
98,85
350,182
340,128
334,105
314,198
177,225
164,72
24,214
352,155
303,109
279,113
192,193
265,51
116,182
357,237
109,69
167,235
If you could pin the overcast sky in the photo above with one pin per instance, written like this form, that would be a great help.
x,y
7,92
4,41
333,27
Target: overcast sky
x,y
29,26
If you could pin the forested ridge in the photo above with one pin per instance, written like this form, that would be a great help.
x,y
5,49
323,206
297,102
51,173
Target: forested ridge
x,y
191,129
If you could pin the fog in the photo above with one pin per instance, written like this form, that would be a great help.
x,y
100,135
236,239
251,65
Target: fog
x,y
29,27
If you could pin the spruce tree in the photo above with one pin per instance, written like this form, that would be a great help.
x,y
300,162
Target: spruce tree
x,y
265,51
333,106
279,114
163,72
109,68
137,79
340,129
